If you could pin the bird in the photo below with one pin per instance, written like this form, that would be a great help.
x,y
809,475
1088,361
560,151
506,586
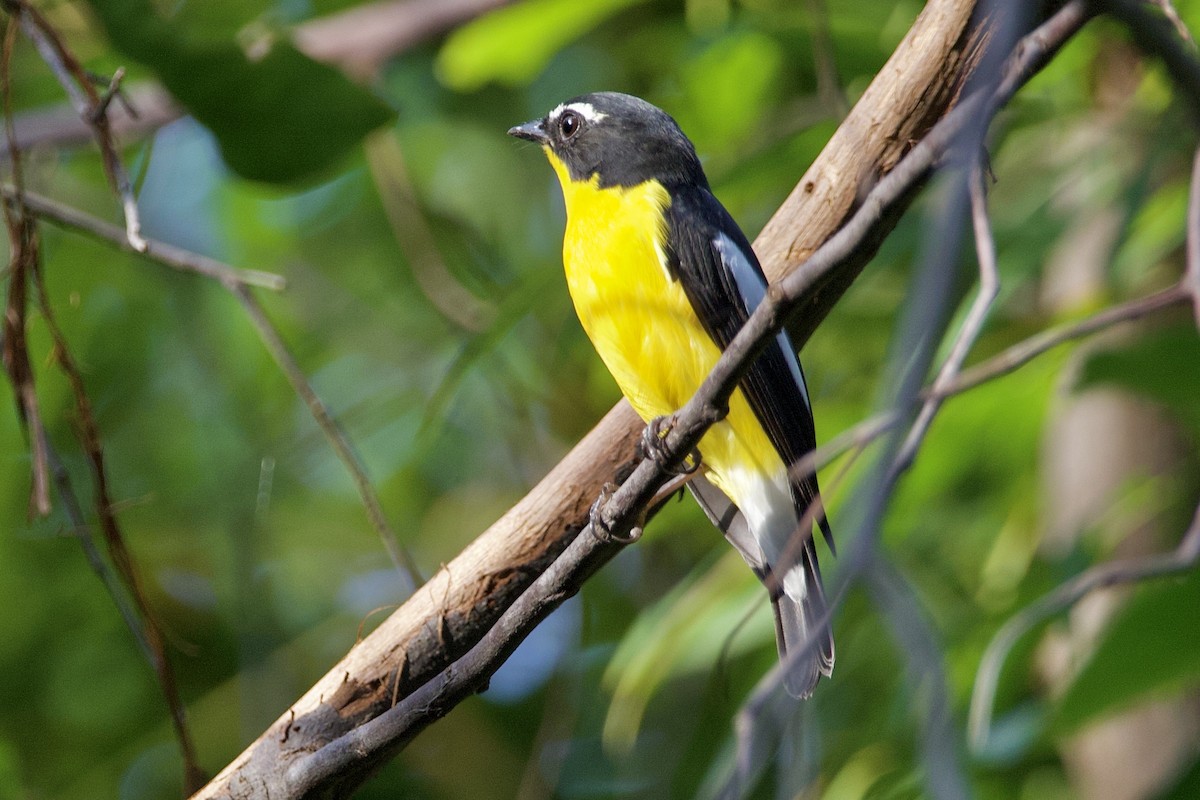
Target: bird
x,y
662,279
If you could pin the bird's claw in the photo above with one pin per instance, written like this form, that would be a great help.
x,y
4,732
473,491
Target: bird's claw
x,y
600,527
653,445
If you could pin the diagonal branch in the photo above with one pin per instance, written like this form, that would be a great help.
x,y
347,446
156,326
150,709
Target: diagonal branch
x,y
1185,556
989,290
337,438
89,104
1003,363
160,252
1191,280
237,282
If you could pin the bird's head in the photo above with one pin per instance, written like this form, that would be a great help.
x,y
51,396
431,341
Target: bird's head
x,y
616,139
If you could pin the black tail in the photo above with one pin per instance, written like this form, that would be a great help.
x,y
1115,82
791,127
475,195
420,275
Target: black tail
x,y
796,621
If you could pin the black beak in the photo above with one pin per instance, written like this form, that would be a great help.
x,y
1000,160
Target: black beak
x,y
531,131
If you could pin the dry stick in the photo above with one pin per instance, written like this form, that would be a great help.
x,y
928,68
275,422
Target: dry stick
x,y
1186,554
88,104
165,254
1183,558
337,438
1168,9
89,437
1022,353
79,529
1156,35
237,282
999,365
1191,278
391,730
23,256
989,290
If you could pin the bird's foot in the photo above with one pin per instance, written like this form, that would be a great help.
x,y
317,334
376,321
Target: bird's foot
x,y
600,526
653,445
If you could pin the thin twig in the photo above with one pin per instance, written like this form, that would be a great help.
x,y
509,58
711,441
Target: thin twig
x,y
1025,351
1157,35
1192,275
165,254
237,282
989,290
82,533
88,104
915,637
23,257
944,768
334,434
1185,556
123,560
999,365
1172,15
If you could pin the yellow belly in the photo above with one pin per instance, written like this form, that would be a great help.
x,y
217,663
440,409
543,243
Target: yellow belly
x,y
643,327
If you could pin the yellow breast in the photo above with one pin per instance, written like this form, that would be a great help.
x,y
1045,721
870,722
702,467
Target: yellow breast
x,y
641,323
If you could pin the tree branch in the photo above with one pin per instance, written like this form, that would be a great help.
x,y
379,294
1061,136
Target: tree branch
x,y
162,253
1185,556
91,107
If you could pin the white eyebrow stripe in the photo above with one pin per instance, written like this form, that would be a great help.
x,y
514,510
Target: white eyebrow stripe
x,y
585,110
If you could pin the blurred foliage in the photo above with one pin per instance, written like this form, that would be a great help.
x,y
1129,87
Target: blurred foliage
x,y
286,117
256,551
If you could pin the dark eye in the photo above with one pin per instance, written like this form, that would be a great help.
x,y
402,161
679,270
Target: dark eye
x,y
569,124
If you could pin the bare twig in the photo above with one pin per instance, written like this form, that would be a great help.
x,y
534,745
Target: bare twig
x,y
88,103
945,774
915,637
26,273
329,426
1156,34
1192,275
989,289
1022,353
999,365
81,531
1172,15
165,254
1185,556
23,258
89,438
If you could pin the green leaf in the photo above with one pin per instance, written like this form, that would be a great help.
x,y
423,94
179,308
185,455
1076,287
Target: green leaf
x,y
278,115
513,44
1163,365
1151,646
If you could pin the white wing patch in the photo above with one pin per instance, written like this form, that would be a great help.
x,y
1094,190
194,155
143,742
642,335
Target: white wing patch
x,y
753,288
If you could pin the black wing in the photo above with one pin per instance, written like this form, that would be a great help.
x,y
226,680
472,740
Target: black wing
x,y
721,276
